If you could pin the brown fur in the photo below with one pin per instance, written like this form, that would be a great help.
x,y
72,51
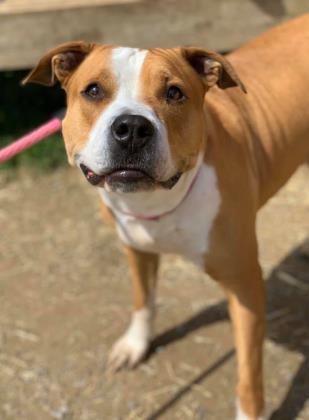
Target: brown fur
x,y
256,142
167,67
144,268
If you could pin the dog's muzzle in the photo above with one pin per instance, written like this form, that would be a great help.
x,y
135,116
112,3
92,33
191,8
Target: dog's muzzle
x,y
133,157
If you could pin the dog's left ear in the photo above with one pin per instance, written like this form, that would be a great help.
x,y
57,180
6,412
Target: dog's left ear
x,y
213,68
59,63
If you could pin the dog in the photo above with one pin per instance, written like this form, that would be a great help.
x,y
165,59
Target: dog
x,y
185,146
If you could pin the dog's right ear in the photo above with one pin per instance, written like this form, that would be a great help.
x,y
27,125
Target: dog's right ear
x,y
59,63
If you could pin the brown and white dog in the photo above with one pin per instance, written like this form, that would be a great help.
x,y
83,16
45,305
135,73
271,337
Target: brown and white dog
x,y
181,173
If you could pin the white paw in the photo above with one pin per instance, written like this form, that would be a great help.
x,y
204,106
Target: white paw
x,y
126,352
240,415
130,349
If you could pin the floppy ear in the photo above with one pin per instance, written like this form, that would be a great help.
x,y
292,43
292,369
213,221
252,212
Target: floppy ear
x,y
59,63
213,68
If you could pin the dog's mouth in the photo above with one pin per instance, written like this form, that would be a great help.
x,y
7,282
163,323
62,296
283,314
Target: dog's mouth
x,y
91,176
119,175
128,179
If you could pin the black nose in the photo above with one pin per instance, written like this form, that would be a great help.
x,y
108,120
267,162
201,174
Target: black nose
x,y
132,131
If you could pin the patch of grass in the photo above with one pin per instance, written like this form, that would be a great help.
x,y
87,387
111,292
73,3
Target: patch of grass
x,y
46,155
21,110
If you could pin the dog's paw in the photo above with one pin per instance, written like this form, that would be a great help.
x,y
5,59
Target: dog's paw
x,y
130,349
127,352
240,415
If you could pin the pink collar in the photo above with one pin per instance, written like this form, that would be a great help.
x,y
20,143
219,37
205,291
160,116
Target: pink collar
x,y
157,217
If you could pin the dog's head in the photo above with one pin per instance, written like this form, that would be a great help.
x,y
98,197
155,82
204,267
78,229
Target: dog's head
x,y
135,118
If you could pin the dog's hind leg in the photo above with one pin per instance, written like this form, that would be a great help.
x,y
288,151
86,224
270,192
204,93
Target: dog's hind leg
x,y
130,349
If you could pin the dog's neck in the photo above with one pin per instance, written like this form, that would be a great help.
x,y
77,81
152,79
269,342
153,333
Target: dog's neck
x,y
151,205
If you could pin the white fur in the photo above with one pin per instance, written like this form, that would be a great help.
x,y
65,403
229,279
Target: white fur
x,y
240,415
132,346
185,230
151,203
127,65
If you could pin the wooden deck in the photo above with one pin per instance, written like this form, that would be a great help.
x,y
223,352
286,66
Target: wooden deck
x,y
30,27
25,6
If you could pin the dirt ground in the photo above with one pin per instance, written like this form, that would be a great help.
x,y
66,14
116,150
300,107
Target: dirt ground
x,y
65,297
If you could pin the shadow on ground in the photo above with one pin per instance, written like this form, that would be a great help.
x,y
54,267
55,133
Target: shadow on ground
x,y
288,320
275,8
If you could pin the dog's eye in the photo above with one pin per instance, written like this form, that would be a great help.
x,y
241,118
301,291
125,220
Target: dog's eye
x,y
174,94
93,92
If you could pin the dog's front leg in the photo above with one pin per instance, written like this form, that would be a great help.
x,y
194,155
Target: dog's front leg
x,y
130,349
247,304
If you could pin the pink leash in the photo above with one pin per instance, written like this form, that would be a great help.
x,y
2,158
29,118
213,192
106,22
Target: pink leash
x,y
35,136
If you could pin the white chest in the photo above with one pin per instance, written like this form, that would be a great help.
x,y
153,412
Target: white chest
x,y
184,231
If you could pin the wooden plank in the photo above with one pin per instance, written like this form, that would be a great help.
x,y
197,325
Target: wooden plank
x,y
26,6
218,24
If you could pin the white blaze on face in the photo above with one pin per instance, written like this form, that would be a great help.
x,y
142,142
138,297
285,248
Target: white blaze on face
x,y
127,65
